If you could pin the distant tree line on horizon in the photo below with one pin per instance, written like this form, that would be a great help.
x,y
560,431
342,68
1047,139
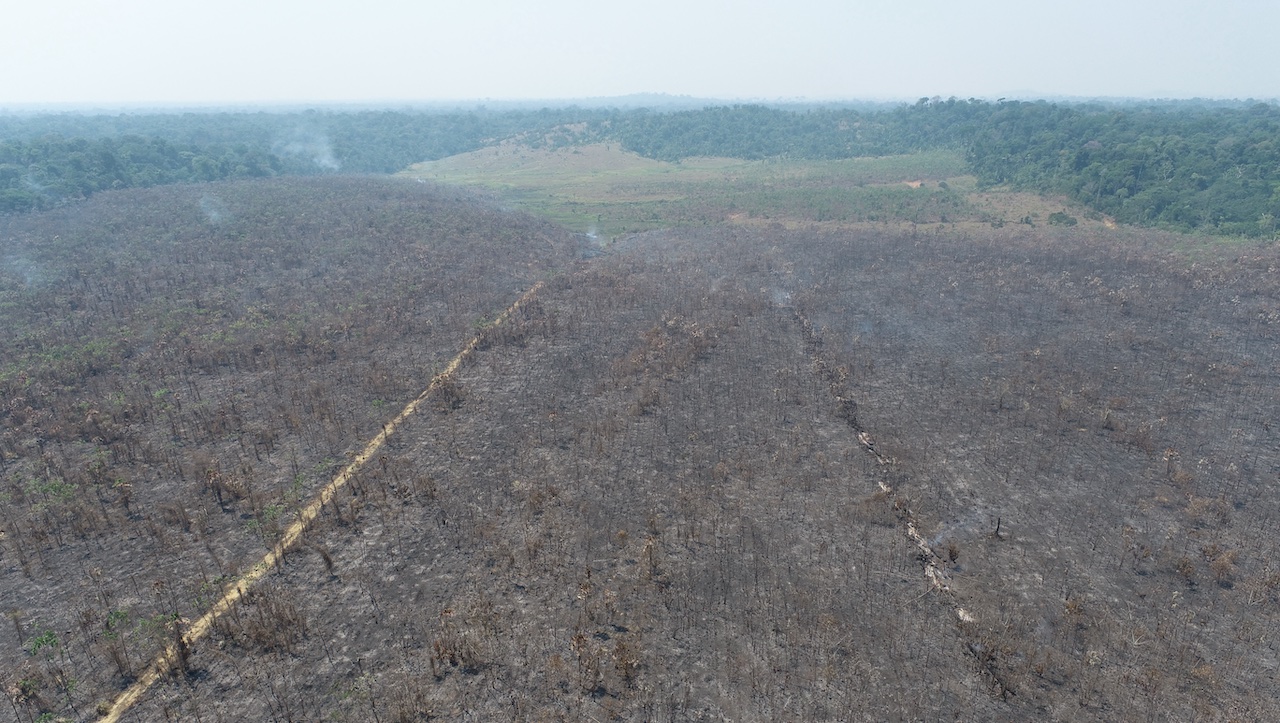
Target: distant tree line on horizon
x,y
1185,166
1179,166
49,160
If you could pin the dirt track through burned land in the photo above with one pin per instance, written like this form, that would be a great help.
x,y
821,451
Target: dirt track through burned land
x,y
934,571
666,445
177,650
174,655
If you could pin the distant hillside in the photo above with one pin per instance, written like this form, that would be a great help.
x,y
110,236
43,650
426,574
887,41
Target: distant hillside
x,y
46,161
1204,167
1184,167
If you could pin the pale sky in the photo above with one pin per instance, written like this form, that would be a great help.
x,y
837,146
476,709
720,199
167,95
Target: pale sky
x,y
288,51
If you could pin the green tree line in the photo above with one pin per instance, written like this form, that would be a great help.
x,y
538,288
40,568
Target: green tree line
x,y
1186,166
44,172
52,159
1181,165
756,131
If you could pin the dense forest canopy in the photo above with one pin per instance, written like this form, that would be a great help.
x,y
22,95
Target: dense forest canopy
x,y
1180,166
1185,166
47,160
1215,169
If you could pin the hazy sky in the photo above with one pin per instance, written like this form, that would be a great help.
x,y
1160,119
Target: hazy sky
x,y
252,51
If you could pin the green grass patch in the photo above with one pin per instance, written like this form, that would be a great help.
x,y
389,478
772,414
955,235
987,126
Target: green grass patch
x,y
601,188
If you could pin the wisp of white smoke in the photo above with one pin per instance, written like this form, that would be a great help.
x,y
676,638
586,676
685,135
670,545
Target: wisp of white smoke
x,y
310,145
214,209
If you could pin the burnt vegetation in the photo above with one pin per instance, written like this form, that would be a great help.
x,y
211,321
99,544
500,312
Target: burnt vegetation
x,y
738,472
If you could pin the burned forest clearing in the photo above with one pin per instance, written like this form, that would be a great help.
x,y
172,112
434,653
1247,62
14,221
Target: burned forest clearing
x,y
358,449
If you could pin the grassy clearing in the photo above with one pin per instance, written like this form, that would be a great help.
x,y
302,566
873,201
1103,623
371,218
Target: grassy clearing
x,y
602,189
